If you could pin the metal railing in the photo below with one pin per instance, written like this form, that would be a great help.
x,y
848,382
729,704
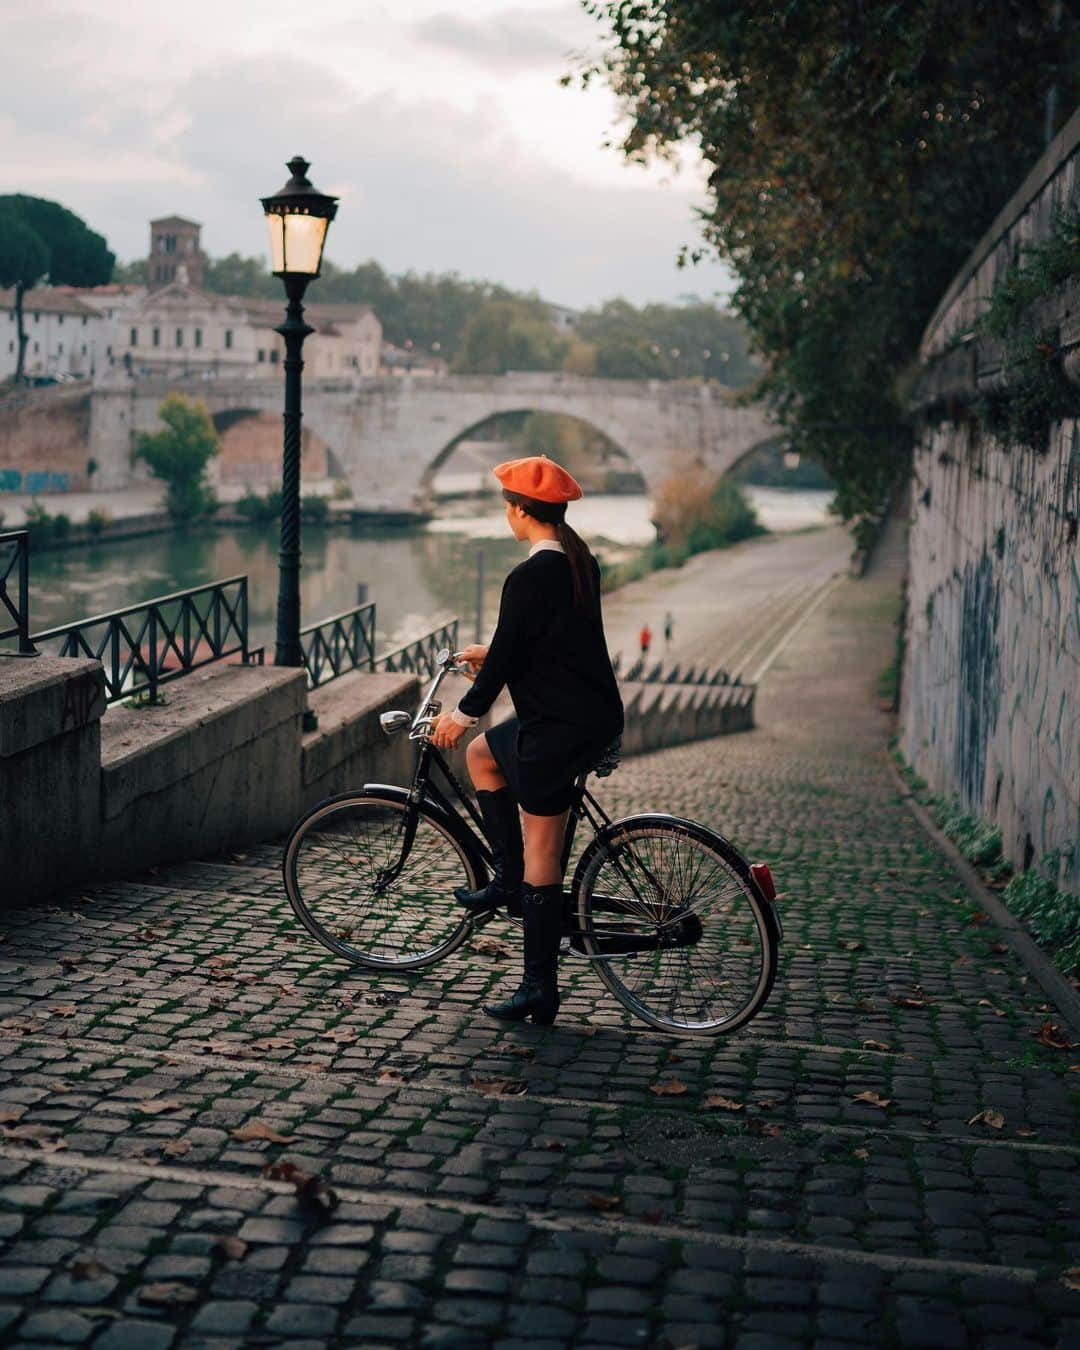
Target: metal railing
x,y
339,644
15,558
419,655
147,645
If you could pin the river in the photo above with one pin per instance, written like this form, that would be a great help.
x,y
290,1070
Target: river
x,y
418,577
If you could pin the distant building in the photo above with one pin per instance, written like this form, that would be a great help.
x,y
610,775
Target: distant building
x,y
563,317
65,336
412,361
174,243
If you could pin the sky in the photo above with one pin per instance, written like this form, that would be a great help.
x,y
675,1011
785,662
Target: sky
x,y
442,127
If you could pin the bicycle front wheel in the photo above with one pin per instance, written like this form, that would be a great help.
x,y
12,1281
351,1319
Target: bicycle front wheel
x,y
670,908
353,890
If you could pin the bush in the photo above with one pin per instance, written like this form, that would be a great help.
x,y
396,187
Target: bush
x,y
260,510
61,525
97,519
343,490
1053,916
179,454
315,509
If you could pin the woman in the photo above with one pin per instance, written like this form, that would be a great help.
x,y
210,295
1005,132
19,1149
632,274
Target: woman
x,y
549,651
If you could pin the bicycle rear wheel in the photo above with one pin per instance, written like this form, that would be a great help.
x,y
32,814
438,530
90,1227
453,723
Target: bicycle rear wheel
x,y
352,890
686,942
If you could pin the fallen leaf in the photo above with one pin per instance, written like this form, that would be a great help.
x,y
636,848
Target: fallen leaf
x,y
1052,1037
603,1202
230,1246
715,1103
862,1153
390,1076
489,947
259,1129
962,961
273,1043
865,1006
674,1088
42,1135
910,1001
341,1035
994,1119
766,1103
522,1051
154,1106
587,1031
87,1268
10,1117
673,1058
979,917
1071,1278
758,1126
1000,948
315,1065
556,1145
310,1189
168,1294
876,1045
499,1087
176,1148
63,1009
853,945
1025,1131
872,1099
70,962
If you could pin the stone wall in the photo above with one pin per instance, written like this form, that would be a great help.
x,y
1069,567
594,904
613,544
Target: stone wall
x,y
991,688
44,440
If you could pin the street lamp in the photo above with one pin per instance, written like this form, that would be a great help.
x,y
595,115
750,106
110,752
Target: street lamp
x,y
298,217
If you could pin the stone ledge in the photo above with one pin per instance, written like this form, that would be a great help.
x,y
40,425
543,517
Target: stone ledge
x,y
348,711
42,697
208,715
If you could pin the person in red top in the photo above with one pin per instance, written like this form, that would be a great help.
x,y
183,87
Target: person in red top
x,y
645,639
549,651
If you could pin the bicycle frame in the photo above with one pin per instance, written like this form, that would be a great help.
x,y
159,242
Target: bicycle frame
x,y
422,788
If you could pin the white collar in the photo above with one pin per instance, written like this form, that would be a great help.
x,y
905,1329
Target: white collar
x,y
542,544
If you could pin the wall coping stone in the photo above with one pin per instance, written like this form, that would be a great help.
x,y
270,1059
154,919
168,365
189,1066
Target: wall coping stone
x,y
209,713
347,709
42,697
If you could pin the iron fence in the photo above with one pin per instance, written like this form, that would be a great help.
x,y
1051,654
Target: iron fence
x,y
146,645
339,644
15,559
419,655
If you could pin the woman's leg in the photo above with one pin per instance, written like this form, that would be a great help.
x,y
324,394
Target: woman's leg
x,y
543,848
483,770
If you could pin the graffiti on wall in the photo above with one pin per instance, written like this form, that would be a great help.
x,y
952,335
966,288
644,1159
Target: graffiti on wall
x,y
41,480
979,686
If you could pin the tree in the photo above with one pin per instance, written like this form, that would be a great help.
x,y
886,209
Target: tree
x,y
855,153
44,240
509,335
236,275
179,454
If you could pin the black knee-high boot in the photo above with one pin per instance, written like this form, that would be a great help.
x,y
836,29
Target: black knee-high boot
x,y
502,827
538,995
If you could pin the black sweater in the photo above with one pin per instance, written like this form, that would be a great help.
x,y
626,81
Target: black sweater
x,y
552,658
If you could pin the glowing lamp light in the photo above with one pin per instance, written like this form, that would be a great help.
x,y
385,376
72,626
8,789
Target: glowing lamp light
x,y
298,217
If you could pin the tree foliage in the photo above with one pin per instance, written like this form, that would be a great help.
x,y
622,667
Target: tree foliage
x,y
179,454
43,240
507,335
856,153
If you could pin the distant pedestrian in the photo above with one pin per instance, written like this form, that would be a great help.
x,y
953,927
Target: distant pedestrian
x,y
669,628
645,639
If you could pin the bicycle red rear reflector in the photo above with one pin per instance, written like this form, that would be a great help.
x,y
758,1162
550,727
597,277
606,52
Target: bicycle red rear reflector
x,y
761,874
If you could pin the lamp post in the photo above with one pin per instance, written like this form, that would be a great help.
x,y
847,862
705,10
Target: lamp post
x,y
298,217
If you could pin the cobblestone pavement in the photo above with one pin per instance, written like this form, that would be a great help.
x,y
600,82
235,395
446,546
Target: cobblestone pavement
x,y
146,1024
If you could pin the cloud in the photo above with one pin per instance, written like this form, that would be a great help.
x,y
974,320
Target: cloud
x,y
520,39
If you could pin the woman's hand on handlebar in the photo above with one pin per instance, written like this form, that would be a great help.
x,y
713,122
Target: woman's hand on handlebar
x,y
445,732
474,657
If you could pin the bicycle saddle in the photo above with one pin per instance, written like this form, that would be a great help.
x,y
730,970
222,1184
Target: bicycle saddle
x,y
609,759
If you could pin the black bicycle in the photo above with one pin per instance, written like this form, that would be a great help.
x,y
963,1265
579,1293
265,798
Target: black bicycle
x,y
679,926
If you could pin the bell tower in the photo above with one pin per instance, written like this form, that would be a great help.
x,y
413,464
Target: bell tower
x,y
174,243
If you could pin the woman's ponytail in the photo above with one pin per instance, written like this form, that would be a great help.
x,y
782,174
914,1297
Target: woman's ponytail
x,y
580,559
582,565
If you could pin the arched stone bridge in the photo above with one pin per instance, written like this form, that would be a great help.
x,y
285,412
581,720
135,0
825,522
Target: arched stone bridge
x,y
389,435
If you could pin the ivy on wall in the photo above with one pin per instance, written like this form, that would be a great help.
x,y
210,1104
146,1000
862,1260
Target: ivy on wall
x,y
1034,391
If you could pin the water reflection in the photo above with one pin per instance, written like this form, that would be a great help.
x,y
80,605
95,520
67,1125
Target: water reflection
x,y
418,578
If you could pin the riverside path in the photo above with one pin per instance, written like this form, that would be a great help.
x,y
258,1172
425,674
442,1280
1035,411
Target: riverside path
x,y
825,1178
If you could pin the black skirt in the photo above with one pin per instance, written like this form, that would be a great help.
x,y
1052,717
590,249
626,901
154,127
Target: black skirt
x,y
540,762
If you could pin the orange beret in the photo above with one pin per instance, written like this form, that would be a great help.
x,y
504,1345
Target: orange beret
x,y
538,477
